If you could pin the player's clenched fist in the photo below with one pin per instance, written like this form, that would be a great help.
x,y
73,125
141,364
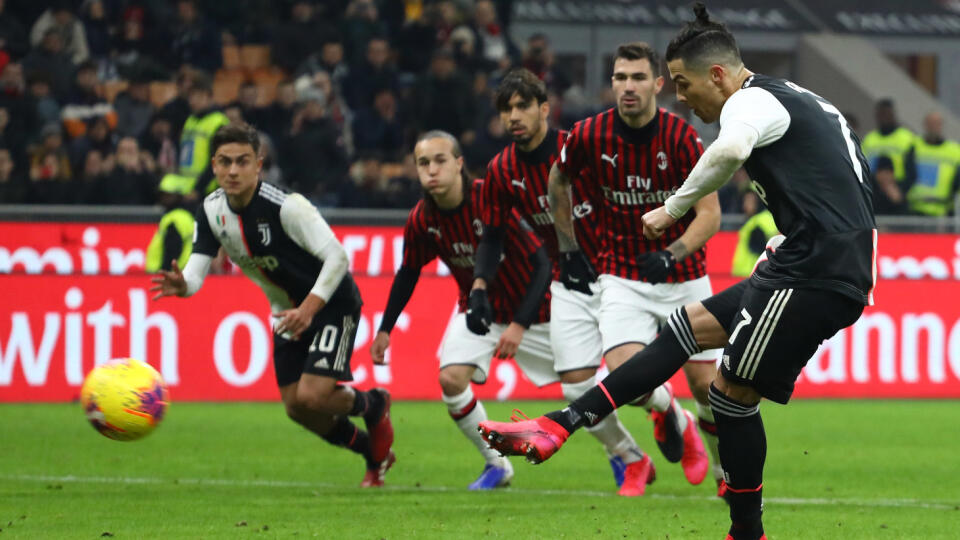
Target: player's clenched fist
x,y
657,221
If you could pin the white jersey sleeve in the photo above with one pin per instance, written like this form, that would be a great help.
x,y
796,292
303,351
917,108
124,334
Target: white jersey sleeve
x,y
759,109
307,228
750,118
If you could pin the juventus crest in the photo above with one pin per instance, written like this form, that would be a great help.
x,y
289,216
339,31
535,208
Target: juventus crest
x,y
264,230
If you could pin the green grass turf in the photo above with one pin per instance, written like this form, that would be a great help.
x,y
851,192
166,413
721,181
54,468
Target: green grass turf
x,y
835,469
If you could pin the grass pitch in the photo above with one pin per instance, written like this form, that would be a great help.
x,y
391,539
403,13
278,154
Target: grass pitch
x,y
835,469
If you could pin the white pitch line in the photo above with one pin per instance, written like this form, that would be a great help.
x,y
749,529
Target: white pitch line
x,y
811,501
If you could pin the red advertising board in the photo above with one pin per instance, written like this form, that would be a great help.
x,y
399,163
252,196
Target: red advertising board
x,y
118,249
216,345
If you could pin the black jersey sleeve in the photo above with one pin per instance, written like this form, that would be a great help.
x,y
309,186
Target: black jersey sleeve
x,y
204,242
400,292
536,290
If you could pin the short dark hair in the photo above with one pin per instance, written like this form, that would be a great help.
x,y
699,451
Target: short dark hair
x,y
201,82
522,82
703,40
638,50
235,133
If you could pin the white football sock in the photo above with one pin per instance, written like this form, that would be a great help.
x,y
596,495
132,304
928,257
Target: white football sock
x,y
611,433
705,413
467,412
659,400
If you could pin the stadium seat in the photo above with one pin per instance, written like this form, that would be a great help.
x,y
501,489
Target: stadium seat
x,y
266,80
225,90
161,92
231,57
253,57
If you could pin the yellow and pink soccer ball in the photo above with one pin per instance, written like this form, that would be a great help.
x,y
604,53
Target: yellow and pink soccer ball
x,y
124,399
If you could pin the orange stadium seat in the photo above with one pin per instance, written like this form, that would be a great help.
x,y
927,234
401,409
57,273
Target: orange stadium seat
x,y
231,57
253,57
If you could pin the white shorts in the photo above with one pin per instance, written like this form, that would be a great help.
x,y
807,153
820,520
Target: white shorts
x,y
575,328
634,311
463,347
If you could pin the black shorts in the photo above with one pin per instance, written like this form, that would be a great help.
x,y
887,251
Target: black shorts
x,y
323,349
774,333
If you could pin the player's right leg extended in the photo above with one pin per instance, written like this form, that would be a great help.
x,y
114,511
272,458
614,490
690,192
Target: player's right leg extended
x,y
540,438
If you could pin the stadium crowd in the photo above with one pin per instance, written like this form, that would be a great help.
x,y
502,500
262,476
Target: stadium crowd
x,y
97,98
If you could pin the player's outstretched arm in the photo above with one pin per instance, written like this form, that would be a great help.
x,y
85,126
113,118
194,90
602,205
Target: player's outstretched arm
x,y
173,282
703,226
401,290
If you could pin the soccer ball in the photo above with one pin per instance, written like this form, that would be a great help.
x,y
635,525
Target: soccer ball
x,y
124,399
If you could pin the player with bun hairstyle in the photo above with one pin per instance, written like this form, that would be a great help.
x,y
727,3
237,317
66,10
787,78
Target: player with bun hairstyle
x,y
807,166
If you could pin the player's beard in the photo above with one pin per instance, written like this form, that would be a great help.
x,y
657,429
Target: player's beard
x,y
528,135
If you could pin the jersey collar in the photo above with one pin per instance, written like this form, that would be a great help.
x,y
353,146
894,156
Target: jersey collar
x,y
542,153
637,136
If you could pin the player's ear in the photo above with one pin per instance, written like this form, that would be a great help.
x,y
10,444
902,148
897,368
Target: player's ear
x,y
658,84
545,108
259,163
717,74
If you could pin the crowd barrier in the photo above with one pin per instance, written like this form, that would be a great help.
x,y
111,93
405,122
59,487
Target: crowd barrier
x,y
75,295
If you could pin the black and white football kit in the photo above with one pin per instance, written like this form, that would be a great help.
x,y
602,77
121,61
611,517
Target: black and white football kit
x,y
284,245
807,167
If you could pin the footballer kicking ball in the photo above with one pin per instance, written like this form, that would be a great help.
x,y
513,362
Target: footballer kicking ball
x,y
124,399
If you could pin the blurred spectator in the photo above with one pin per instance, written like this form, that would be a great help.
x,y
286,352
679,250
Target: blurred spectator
x,y
380,128
417,39
98,137
134,108
130,181
159,143
195,41
403,190
204,121
329,59
360,25
314,159
50,172
138,48
90,187
177,110
20,121
13,186
937,162
234,113
60,18
270,171
51,59
753,235
442,99
373,74
891,140
247,101
86,103
888,199
538,57
174,237
336,108
279,114
366,186
490,48
13,34
490,141
96,25
302,36
46,108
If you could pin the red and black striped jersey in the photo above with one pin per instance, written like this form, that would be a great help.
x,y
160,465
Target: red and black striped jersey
x,y
518,180
453,235
631,171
